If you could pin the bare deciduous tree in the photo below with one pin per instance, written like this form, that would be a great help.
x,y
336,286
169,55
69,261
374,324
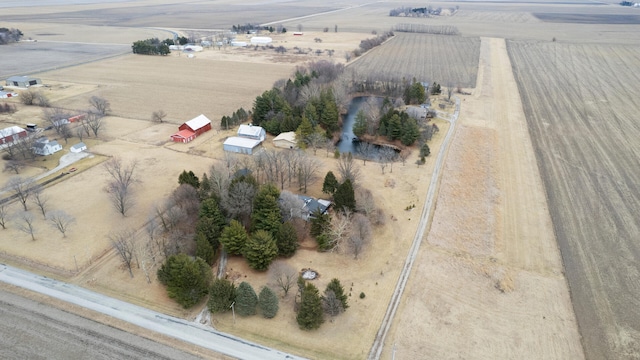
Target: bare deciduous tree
x,y
94,122
22,189
4,215
57,118
124,244
158,116
25,222
61,221
331,304
219,181
366,151
360,234
315,140
120,187
283,275
307,171
239,200
340,230
290,205
329,146
100,105
40,199
348,169
14,165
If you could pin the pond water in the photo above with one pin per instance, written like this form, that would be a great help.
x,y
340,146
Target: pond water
x,y
347,143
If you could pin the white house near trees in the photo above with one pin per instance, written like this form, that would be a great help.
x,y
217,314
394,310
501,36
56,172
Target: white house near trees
x,y
43,147
249,137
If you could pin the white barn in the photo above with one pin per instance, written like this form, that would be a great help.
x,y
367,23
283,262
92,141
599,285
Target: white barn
x,y
249,137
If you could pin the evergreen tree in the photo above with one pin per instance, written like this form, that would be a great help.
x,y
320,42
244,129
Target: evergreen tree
x,y
287,239
189,178
324,241
344,197
360,124
330,183
424,150
246,300
339,292
311,114
268,303
410,132
205,187
395,127
187,279
310,313
266,212
329,116
221,295
204,250
304,130
234,238
319,223
208,228
260,250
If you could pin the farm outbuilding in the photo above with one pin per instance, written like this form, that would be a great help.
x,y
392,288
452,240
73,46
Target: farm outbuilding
x,y
79,147
192,129
261,40
11,134
252,132
240,145
7,94
249,137
23,81
286,140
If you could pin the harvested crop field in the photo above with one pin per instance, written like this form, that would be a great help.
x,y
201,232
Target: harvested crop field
x,y
440,58
582,116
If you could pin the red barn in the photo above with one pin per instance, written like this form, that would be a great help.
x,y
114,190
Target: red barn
x,y
191,129
11,134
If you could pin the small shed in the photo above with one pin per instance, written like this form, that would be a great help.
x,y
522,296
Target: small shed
x,y
23,81
252,132
11,134
43,147
286,140
79,147
240,145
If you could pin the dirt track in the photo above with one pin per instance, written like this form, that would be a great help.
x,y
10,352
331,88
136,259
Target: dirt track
x,y
488,283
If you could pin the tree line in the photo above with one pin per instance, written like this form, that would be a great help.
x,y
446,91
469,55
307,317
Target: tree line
x,y
152,46
8,36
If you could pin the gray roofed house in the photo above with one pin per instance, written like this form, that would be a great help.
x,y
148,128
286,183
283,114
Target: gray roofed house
x,y
43,146
312,205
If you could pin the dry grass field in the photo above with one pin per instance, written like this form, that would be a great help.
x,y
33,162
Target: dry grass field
x,y
582,116
440,58
489,281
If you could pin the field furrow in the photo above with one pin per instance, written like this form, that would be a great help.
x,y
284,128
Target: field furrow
x,y
584,129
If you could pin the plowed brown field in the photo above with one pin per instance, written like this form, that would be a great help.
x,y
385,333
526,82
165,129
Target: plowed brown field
x,y
582,116
440,58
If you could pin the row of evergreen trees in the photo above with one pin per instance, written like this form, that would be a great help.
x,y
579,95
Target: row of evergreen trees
x,y
152,46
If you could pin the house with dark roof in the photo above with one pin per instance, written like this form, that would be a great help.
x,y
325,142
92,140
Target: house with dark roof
x,y
313,206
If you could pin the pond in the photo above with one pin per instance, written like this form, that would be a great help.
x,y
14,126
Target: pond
x,y
348,141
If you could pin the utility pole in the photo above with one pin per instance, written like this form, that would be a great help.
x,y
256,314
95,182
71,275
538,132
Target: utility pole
x,y
233,311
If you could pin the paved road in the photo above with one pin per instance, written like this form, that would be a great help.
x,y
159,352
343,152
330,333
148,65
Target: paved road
x,y
181,329
378,343
33,330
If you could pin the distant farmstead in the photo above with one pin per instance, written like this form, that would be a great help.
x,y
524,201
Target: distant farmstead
x,y
192,129
249,137
11,134
22,81
261,40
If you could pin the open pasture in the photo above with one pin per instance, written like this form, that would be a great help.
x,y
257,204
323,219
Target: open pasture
x,y
440,58
582,116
